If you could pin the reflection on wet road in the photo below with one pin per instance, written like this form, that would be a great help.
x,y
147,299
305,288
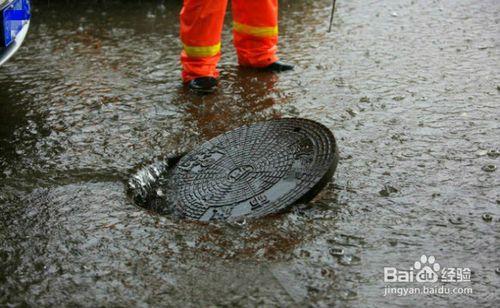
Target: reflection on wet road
x,y
410,88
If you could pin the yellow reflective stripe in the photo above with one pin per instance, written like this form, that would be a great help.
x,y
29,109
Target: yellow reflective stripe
x,y
256,31
202,51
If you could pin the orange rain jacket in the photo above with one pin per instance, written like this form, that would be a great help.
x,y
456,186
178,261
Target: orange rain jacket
x,y
255,30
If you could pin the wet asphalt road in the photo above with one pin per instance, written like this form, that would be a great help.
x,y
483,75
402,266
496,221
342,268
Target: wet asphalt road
x,y
411,90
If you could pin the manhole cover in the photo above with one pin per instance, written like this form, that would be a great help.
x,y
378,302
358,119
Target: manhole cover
x,y
254,170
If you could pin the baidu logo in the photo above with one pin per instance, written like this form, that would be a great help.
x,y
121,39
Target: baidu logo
x,y
428,269
430,277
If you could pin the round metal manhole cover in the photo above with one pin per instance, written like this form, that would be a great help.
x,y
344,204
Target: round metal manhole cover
x,y
254,170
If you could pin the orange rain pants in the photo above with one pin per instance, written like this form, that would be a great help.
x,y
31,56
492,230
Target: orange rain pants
x,y
255,31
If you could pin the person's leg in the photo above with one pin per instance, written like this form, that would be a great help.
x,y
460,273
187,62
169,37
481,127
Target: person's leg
x,y
255,29
201,27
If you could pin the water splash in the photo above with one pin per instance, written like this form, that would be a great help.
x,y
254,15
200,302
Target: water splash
x,y
148,184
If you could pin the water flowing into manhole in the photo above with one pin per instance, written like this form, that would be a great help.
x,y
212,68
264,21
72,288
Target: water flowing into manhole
x,y
250,172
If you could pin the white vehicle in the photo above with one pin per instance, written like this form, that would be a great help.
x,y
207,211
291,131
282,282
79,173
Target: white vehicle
x,y
14,23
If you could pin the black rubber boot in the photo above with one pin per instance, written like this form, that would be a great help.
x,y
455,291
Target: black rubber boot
x,y
203,84
279,66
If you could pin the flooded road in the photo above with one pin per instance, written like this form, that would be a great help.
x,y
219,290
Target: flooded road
x,y
411,90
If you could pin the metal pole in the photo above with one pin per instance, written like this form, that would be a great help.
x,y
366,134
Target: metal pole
x,y
331,17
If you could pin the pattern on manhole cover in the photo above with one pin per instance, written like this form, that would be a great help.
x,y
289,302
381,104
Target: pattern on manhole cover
x,y
254,170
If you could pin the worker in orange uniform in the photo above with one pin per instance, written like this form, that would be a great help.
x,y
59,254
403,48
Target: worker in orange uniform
x,y
255,30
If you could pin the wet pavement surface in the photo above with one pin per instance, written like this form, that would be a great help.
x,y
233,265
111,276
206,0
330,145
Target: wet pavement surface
x,y
410,88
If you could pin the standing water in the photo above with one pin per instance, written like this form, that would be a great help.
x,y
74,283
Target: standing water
x,y
410,88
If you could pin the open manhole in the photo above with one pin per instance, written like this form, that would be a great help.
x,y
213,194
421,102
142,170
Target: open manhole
x,y
253,171
249,172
